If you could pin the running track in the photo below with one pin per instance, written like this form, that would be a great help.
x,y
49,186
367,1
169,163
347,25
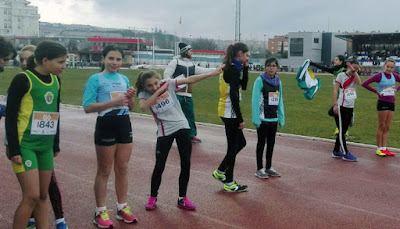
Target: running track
x,y
315,190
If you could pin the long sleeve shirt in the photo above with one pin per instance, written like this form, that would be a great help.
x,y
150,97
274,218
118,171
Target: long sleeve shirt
x,y
377,79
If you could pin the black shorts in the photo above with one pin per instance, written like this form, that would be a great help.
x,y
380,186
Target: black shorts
x,y
385,106
111,130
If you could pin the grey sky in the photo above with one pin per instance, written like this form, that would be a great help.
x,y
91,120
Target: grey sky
x,y
216,18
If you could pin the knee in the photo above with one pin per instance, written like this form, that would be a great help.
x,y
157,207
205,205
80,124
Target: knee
x,y
43,196
121,169
31,199
104,171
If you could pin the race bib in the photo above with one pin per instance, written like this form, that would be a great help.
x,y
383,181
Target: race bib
x,y
388,91
163,103
44,123
115,94
273,98
350,93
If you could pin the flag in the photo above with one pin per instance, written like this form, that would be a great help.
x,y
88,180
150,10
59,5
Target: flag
x,y
306,80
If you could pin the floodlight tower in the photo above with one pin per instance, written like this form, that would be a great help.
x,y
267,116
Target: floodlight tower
x,y
237,21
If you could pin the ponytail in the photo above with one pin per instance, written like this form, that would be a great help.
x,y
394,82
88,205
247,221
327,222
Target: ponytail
x,y
232,51
30,64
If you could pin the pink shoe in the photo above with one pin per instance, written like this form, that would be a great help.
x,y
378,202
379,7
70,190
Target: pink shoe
x,y
186,204
152,203
126,215
387,152
102,220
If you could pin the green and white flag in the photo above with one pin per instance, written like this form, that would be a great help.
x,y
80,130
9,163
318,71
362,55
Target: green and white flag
x,y
306,80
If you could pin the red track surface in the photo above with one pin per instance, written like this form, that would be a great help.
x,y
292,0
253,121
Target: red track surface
x,y
315,190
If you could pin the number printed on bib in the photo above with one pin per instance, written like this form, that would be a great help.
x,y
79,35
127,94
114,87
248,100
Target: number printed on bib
x,y
388,91
163,103
44,123
350,93
273,98
115,94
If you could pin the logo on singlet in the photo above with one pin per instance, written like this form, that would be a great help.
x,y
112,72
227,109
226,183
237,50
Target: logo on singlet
x,y
28,163
49,97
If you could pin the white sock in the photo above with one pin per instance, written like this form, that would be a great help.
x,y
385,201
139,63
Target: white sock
x,y
99,209
31,219
180,198
60,220
120,206
383,148
219,171
379,148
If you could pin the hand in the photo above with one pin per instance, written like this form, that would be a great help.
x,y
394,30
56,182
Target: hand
x,y
241,126
246,64
56,154
218,70
335,109
17,160
131,92
121,100
164,87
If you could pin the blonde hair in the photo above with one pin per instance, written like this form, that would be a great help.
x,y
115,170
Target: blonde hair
x,y
31,48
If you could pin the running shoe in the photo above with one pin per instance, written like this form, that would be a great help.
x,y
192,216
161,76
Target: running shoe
x,y
61,225
184,203
195,139
152,203
387,152
337,154
272,172
31,224
102,220
235,187
261,174
380,153
126,215
219,176
349,157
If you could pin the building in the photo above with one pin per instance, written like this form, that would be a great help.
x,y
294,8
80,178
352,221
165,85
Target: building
x,y
278,44
320,47
18,18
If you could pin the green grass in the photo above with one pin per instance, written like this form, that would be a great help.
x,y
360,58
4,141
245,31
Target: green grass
x,y
303,117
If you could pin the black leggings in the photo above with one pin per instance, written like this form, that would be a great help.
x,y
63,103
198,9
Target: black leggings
x,y
55,197
345,117
266,131
236,142
162,150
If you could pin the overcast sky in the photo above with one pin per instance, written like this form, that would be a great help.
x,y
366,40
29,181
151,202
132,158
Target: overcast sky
x,y
216,18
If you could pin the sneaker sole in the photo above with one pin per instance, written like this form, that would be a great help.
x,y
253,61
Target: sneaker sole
x,y
186,208
334,156
344,159
261,177
151,208
100,226
230,191
125,221
381,155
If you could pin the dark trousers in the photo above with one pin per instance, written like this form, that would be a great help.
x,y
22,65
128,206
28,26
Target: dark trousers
x,y
162,150
236,142
55,197
343,123
266,132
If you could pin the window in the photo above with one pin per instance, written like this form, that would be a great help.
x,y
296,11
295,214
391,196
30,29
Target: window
x,y
316,40
296,46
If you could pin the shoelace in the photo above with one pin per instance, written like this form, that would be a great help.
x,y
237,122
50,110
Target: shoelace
x,y
127,210
104,214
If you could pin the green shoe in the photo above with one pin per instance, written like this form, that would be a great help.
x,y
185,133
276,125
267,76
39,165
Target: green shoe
x,y
235,187
219,176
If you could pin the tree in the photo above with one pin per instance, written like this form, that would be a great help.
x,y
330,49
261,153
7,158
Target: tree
x,y
204,44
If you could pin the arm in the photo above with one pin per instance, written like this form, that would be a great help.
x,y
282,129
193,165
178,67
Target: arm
x,y
335,96
255,102
56,145
200,70
397,78
231,76
170,69
281,110
18,88
375,78
145,104
243,82
323,68
196,78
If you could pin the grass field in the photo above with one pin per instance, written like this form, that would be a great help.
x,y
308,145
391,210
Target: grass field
x,y
303,117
